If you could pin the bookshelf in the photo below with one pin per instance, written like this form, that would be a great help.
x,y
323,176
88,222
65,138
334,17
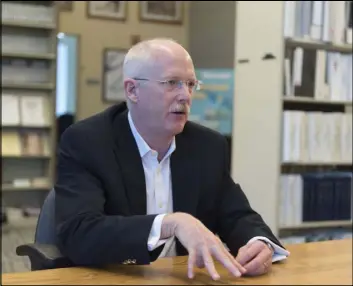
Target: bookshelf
x,y
292,121
29,31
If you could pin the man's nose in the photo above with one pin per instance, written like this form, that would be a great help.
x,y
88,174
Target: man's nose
x,y
185,90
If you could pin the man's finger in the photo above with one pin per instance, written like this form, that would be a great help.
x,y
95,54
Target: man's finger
x,y
247,253
234,261
199,262
226,261
191,263
256,265
250,251
209,264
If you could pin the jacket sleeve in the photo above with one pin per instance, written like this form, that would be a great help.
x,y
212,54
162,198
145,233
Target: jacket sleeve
x,y
85,234
237,222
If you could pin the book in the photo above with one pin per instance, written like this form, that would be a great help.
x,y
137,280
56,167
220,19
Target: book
x,y
31,144
34,111
317,74
10,143
315,197
323,21
319,137
10,110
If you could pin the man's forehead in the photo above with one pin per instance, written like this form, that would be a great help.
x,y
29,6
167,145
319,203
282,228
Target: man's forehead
x,y
178,73
167,61
175,70
171,59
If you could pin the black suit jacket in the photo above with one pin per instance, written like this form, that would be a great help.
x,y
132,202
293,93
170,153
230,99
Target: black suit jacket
x,y
101,194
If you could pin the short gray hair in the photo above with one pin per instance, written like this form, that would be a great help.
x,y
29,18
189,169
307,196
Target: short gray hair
x,y
141,54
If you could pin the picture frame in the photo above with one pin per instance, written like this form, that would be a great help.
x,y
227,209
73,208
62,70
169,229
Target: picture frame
x,y
109,10
167,12
112,82
65,6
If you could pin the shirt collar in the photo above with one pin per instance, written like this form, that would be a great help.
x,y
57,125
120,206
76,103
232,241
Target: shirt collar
x,y
141,143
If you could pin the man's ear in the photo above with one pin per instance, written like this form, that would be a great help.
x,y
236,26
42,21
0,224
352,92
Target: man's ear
x,y
131,91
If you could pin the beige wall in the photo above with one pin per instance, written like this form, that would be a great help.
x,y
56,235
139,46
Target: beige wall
x,y
212,25
97,34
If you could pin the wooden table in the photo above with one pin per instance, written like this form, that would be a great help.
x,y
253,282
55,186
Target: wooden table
x,y
328,262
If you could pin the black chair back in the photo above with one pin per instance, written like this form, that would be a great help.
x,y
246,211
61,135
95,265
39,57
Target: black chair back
x,y
45,229
43,253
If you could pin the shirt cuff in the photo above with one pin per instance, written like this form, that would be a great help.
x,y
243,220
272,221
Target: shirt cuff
x,y
279,252
155,233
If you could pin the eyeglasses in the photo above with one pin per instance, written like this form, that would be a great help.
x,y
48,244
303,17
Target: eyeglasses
x,y
173,84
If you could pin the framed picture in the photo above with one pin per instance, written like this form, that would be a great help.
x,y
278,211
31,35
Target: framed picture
x,y
110,10
65,5
112,83
162,11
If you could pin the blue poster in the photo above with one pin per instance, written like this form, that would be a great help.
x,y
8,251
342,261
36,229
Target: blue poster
x,y
212,106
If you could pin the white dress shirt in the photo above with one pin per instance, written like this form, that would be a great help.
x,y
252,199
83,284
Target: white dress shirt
x,y
159,196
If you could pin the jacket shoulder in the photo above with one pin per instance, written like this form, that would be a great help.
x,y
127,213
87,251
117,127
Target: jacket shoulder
x,y
98,126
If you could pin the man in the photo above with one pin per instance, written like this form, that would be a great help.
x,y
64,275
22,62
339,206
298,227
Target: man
x,y
138,181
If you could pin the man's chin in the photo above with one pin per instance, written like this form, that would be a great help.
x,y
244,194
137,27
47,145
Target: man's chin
x,y
178,128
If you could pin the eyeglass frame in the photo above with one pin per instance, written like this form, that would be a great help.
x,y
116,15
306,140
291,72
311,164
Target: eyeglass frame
x,y
179,85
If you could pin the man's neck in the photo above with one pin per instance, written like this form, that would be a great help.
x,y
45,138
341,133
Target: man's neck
x,y
156,142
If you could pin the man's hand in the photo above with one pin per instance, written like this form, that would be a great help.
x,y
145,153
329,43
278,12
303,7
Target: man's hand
x,y
256,258
201,244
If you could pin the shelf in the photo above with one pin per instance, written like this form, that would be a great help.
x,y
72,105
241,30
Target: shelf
x,y
26,157
25,127
31,86
32,2
28,24
308,100
28,176
21,189
319,224
28,55
309,44
319,164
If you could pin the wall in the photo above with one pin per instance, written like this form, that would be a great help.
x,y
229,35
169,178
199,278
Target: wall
x,y
97,34
212,36
212,33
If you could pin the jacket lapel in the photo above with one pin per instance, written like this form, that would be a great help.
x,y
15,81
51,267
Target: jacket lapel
x,y
130,163
185,180
185,177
